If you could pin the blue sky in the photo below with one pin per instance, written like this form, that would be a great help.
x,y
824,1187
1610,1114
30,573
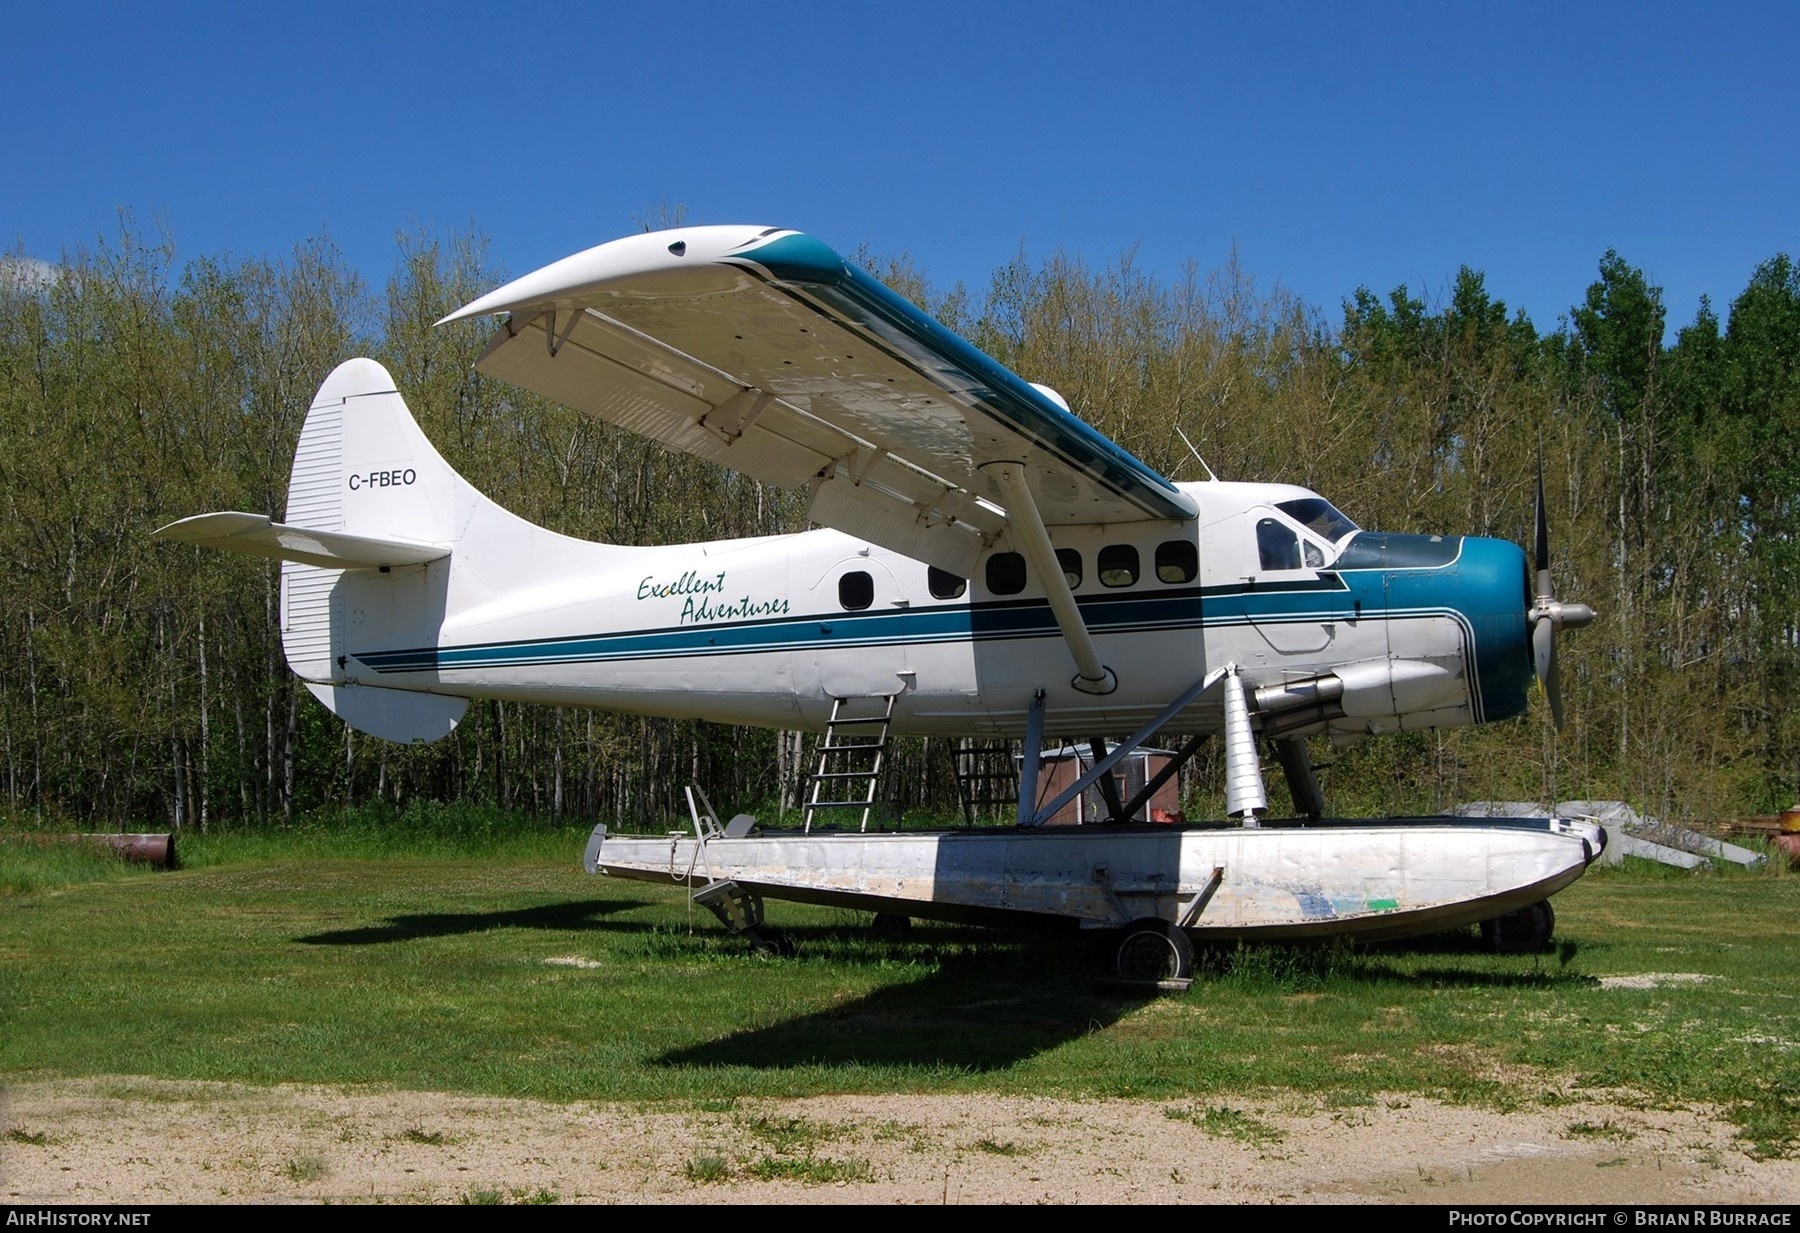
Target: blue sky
x,y
1332,145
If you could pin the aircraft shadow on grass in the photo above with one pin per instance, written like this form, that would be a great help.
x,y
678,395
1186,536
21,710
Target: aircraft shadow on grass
x,y
984,1012
576,915
989,1000
976,1012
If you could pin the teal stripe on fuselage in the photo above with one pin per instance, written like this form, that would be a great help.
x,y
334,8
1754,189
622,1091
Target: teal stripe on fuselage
x,y
1189,607
1330,597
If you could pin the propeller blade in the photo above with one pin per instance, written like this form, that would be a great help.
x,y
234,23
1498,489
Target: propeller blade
x,y
1553,687
1543,646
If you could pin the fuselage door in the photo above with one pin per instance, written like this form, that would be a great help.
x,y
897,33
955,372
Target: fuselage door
x,y
1289,579
857,640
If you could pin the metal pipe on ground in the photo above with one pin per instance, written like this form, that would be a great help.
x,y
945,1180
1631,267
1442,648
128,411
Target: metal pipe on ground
x,y
148,849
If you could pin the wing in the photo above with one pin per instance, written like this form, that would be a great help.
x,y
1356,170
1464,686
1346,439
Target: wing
x,y
765,351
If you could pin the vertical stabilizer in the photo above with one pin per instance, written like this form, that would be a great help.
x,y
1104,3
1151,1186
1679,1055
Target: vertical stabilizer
x,y
363,467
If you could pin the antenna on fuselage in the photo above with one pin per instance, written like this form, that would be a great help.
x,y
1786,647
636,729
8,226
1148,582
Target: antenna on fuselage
x,y
1196,454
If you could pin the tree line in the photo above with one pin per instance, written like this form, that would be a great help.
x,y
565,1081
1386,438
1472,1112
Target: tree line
x,y
143,683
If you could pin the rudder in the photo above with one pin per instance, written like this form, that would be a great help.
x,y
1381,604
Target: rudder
x,y
363,467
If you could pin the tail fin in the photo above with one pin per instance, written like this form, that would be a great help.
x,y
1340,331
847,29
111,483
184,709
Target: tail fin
x,y
364,470
382,543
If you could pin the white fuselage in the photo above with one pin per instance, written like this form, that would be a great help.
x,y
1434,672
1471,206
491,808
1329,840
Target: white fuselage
x,y
769,631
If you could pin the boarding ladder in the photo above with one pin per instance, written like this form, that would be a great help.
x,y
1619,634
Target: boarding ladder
x,y
987,777
850,756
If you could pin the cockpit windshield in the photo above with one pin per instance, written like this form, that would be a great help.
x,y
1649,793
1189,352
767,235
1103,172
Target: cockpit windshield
x,y
1319,516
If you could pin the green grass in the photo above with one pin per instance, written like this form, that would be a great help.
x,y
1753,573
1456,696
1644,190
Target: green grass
x,y
1224,1122
305,1169
707,1168
27,865
428,1138
494,1196
812,1170
1607,1129
314,958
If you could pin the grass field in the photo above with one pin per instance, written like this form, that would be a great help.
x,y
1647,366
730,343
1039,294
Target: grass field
x,y
493,965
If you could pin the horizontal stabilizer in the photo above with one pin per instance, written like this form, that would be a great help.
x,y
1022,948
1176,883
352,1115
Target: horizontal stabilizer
x,y
258,535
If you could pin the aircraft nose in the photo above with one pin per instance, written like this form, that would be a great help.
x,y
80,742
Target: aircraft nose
x,y
1494,580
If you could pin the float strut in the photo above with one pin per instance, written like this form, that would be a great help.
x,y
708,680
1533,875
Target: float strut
x,y
1104,765
1029,763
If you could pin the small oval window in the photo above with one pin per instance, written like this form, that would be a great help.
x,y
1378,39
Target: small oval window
x,y
1006,573
944,584
1118,565
856,590
1070,560
1177,560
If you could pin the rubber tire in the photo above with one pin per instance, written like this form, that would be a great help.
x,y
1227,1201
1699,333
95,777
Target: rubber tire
x,y
891,926
772,942
1151,949
1523,931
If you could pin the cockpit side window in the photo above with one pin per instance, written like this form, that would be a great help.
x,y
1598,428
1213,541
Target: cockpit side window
x,y
1277,545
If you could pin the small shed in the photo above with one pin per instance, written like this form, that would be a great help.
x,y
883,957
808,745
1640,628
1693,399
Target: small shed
x,y
1060,768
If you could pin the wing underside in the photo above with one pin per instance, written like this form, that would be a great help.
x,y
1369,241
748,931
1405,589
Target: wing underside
x,y
766,352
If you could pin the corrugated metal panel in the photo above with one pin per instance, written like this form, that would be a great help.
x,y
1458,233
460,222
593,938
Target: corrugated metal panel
x,y
316,484
316,500
307,619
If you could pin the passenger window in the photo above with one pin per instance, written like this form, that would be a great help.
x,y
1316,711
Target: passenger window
x,y
856,590
1277,545
1006,573
1177,560
944,584
1070,560
1118,565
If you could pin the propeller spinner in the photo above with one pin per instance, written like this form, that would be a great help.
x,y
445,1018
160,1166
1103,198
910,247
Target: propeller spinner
x,y
1548,616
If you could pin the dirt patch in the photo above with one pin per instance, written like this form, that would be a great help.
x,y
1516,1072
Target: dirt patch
x,y
1654,980
120,1140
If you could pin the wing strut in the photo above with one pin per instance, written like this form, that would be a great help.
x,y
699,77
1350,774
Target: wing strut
x,y
1093,677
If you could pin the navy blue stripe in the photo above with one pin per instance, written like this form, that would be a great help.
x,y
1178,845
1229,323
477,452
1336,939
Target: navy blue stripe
x,y
1188,608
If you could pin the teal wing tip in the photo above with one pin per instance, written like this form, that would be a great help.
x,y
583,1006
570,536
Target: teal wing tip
x,y
797,257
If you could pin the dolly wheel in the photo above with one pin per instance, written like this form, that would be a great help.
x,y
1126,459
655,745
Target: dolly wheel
x,y
1152,949
766,941
1523,931
890,925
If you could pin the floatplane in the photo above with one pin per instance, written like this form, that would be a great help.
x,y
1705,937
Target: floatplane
x,y
986,565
